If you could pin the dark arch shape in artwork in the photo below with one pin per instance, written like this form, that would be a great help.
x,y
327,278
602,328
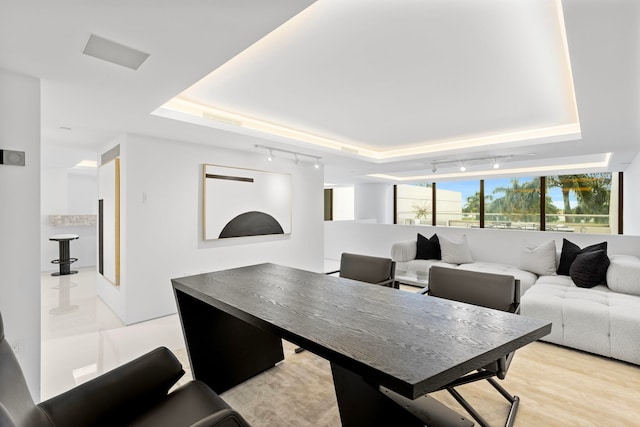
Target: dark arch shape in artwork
x,y
251,224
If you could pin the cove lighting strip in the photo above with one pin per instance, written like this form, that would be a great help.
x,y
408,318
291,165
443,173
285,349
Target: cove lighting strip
x,y
198,111
492,172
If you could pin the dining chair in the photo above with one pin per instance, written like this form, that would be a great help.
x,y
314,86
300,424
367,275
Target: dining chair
x,y
496,291
134,394
366,268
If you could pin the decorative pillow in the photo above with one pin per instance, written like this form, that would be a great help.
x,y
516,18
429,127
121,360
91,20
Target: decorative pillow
x,y
623,274
428,248
590,269
455,252
540,260
570,251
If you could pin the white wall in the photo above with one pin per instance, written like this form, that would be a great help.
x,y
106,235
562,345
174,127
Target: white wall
x,y
161,223
20,222
68,192
374,202
490,245
631,208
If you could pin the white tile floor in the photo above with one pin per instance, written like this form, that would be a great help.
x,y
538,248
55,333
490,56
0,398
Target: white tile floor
x,y
82,337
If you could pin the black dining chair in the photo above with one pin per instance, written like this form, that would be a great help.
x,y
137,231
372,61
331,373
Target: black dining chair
x,y
496,291
135,394
366,268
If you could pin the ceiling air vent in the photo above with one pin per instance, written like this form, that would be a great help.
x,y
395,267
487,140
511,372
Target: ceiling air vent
x,y
115,53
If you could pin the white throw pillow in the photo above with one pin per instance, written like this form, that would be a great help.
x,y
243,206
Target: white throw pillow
x,y
455,252
540,260
623,274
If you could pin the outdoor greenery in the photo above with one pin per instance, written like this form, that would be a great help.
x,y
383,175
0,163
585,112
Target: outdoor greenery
x,y
592,191
521,199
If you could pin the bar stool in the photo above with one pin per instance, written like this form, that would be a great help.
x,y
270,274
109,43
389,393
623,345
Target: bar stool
x,y
65,259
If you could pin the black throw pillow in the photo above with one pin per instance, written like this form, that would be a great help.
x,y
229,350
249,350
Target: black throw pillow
x,y
590,269
428,248
570,251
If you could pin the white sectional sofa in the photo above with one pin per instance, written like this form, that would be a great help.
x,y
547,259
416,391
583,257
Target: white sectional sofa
x,y
604,319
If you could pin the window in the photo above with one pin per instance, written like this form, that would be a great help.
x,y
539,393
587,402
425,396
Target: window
x,y
414,204
582,203
512,203
458,204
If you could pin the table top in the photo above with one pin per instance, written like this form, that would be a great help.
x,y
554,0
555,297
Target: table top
x,y
410,343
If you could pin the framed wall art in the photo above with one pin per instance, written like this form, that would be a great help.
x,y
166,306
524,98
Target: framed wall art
x,y
245,202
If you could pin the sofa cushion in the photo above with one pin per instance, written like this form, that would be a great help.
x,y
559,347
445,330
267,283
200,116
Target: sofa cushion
x,y
589,269
597,320
540,260
428,248
527,279
455,252
623,274
570,251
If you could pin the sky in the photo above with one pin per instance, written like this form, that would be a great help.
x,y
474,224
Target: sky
x,y
469,188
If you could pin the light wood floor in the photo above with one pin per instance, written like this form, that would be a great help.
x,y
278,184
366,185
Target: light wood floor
x,y
561,387
557,386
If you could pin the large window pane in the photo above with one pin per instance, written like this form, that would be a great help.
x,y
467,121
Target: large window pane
x,y
413,204
458,204
582,202
512,203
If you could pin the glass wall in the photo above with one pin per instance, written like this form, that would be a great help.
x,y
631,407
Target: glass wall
x,y
458,203
413,204
512,203
582,203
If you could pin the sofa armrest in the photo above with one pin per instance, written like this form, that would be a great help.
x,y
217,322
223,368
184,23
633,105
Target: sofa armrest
x,y
121,392
404,251
222,418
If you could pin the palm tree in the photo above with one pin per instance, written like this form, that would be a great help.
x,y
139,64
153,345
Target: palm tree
x,y
566,183
592,192
522,199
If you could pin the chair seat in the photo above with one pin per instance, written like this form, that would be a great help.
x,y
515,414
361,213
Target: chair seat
x,y
182,407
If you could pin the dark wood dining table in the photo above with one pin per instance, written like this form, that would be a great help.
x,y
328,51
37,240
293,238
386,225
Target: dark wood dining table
x,y
388,348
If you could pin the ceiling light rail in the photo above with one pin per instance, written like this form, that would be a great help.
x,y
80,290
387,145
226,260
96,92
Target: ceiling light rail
x,y
463,164
297,157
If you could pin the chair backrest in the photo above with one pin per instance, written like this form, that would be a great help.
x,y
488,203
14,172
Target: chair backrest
x,y
497,291
16,404
368,269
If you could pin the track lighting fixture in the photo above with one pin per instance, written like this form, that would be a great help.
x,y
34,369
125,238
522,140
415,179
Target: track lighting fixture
x,y
296,156
462,164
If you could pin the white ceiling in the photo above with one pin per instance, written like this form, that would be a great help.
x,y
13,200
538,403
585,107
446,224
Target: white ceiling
x,y
378,75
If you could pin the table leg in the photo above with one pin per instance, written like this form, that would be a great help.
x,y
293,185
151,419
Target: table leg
x,y
224,351
362,404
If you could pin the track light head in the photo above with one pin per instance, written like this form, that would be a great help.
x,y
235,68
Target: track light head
x,y
270,156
